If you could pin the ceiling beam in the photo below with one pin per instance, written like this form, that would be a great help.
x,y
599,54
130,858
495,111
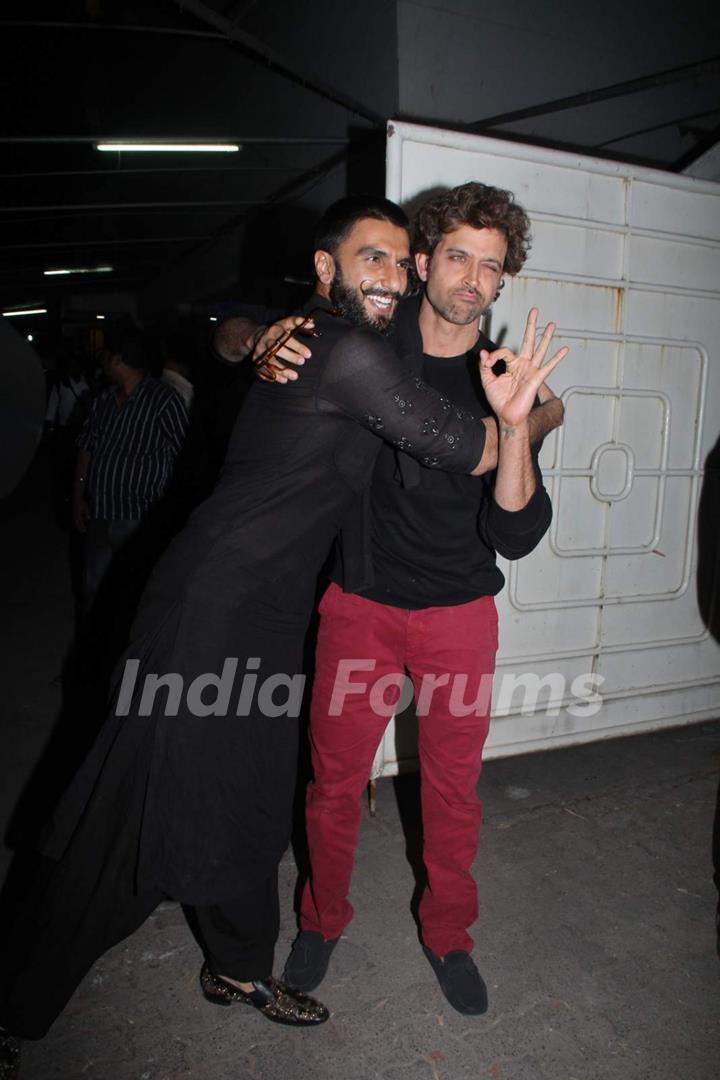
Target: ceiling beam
x,y
230,171
676,122
105,243
226,30
103,207
288,68
255,140
605,93
129,28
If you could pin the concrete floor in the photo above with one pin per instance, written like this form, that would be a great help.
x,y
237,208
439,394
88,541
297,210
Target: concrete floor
x,y
596,936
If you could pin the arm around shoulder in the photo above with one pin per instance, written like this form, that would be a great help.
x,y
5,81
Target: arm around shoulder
x,y
236,338
364,378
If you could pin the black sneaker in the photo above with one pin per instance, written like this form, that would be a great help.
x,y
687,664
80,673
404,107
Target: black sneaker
x,y
308,961
460,981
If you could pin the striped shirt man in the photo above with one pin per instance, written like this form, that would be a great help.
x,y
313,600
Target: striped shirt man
x,y
132,449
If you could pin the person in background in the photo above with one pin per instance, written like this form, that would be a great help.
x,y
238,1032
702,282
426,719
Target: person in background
x,y
127,453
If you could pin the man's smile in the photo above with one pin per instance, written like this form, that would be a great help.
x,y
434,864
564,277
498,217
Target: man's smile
x,y
384,304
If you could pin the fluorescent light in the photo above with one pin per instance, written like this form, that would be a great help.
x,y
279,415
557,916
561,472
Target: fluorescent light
x,y
80,270
99,316
26,311
213,318
169,147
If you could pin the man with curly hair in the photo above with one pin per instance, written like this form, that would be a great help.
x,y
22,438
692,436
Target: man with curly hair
x,y
413,590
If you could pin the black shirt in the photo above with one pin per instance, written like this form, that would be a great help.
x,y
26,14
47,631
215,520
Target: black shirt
x,y
433,535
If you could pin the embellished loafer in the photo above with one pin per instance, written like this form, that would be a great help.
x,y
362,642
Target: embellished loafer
x,y
308,961
9,1056
460,981
271,997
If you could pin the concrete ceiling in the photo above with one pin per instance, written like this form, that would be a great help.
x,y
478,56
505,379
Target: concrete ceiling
x,y
307,89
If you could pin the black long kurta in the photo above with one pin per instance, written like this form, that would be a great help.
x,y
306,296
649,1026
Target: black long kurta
x,y
203,804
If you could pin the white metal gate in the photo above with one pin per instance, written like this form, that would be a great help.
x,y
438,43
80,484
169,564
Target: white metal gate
x,y
627,262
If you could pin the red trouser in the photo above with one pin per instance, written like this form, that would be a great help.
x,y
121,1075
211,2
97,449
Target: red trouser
x,y
359,643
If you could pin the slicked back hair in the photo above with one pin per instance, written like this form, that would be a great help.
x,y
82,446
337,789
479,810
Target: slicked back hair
x,y
481,207
338,220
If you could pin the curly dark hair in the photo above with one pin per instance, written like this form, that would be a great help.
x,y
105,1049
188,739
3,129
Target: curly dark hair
x,y
481,207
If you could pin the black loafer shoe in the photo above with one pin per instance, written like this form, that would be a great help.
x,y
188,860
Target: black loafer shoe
x,y
308,961
270,997
460,981
9,1056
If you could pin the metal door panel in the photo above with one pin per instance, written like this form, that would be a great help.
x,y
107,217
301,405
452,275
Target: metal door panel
x,y
627,262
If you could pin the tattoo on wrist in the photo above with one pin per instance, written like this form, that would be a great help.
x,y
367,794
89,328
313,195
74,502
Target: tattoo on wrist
x,y
507,432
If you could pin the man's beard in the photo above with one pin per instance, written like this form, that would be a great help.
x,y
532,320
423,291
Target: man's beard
x,y
456,313
461,314
349,302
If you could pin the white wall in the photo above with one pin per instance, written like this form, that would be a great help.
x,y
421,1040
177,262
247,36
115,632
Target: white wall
x,y
627,262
